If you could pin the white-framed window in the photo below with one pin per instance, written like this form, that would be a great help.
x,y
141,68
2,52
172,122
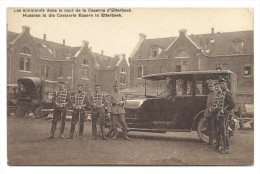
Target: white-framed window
x,y
84,73
142,71
25,59
218,66
25,50
139,72
123,70
85,62
45,71
25,64
60,71
122,79
247,70
155,52
178,68
182,55
225,66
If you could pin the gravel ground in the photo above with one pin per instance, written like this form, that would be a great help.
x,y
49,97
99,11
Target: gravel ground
x,y
27,145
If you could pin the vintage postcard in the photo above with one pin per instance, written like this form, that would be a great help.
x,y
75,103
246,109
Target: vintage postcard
x,y
122,86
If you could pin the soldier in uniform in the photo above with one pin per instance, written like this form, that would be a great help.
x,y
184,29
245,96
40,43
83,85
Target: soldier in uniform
x,y
217,107
228,105
98,104
117,111
60,102
209,113
79,106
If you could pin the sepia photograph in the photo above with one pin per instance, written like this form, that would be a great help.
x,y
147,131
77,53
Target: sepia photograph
x,y
123,86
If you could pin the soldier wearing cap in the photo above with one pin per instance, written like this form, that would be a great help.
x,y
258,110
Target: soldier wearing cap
x,y
228,105
209,113
79,106
117,111
60,102
98,103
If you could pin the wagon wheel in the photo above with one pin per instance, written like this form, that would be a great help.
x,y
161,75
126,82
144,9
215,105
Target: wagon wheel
x,y
20,112
39,114
108,126
202,129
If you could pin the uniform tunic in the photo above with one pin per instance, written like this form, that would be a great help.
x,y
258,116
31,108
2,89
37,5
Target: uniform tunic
x,y
98,104
78,114
60,103
117,109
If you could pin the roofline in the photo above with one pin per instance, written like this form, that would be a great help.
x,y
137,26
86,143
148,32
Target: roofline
x,y
187,72
226,55
150,59
172,43
55,60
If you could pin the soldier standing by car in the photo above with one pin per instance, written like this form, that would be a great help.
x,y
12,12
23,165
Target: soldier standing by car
x,y
228,105
218,104
79,107
98,104
117,111
209,113
60,102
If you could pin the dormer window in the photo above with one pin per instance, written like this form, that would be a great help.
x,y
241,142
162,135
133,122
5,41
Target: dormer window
x,y
155,52
123,70
182,54
238,45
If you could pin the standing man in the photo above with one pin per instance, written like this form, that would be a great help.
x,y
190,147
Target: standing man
x,y
79,107
60,101
209,112
98,104
229,104
117,110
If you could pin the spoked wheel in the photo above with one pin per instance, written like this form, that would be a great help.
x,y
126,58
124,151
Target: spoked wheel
x,y
108,126
202,129
20,112
39,114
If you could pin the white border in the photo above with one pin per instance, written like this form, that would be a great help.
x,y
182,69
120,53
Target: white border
x,y
108,3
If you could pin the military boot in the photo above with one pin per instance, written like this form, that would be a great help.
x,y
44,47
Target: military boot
x,y
71,136
126,137
103,134
53,127
115,136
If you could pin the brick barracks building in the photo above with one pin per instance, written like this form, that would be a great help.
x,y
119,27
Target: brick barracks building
x,y
28,56
231,50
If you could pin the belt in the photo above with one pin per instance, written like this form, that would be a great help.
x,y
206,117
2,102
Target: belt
x,y
115,104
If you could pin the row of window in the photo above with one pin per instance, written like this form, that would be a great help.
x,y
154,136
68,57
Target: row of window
x,y
142,70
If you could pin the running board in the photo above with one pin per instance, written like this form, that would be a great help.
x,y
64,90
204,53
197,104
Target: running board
x,y
158,130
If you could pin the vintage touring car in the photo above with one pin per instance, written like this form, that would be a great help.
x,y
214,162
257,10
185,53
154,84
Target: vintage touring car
x,y
182,109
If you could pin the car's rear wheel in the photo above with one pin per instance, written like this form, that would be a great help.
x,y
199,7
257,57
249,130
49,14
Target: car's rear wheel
x,y
202,129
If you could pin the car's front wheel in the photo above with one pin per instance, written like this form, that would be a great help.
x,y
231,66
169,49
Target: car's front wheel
x,y
202,129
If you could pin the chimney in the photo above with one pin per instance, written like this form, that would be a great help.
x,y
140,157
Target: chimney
x,y
102,52
212,30
44,37
183,32
85,43
26,29
142,36
63,42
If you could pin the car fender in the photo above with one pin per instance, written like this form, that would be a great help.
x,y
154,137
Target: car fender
x,y
196,119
